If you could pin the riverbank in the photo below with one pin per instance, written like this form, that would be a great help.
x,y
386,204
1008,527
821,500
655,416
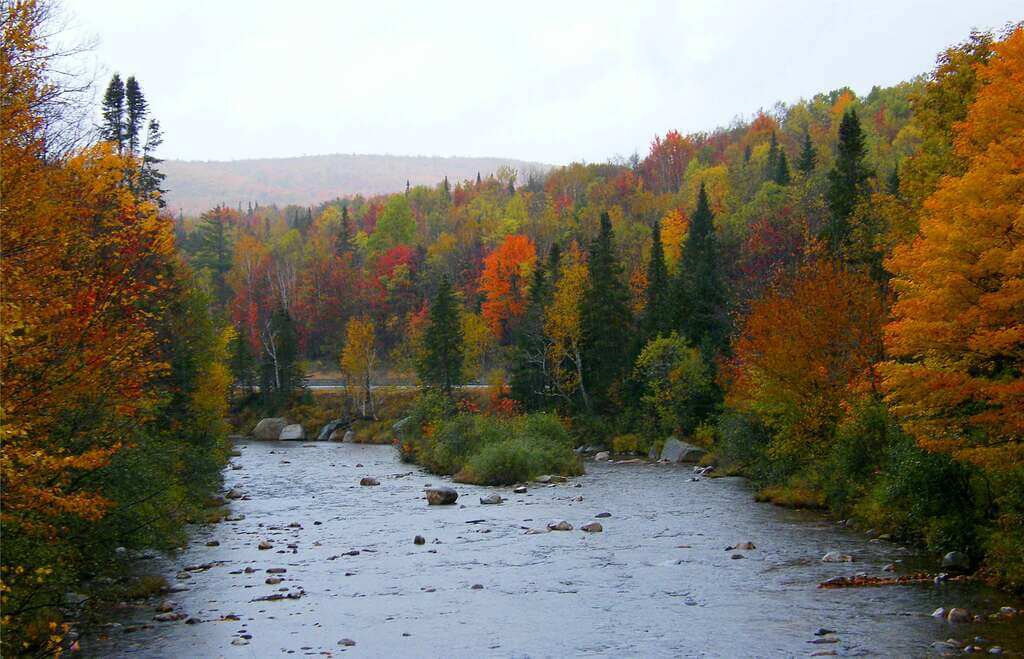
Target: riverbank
x,y
656,581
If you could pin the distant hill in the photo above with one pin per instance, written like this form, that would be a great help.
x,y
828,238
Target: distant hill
x,y
195,186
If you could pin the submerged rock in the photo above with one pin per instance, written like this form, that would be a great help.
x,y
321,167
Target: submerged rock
x,y
592,527
368,481
836,557
560,526
441,496
602,515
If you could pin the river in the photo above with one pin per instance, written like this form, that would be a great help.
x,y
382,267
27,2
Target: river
x,y
658,581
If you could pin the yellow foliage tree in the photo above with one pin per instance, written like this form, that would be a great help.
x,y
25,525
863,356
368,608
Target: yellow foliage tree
x,y
359,358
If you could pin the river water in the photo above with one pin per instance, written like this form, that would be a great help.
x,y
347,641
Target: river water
x,y
657,581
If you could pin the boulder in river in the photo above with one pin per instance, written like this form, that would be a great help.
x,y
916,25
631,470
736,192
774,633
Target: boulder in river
x,y
441,496
959,615
956,561
602,515
560,526
369,481
491,499
519,490
743,546
592,527
269,428
602,456
836,557
293,432
330,428
677,451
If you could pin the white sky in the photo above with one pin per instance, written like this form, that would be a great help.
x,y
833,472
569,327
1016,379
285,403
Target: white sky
x,y
549,81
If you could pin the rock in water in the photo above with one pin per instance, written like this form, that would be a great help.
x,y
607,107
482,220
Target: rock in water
x,y
959,615
602,456
419,540
742,546
269,428
441,496
519,490
491,499
368,480
602,515
677,451
836,557
346,642
330,428
592,527
560,526
293,432
956,561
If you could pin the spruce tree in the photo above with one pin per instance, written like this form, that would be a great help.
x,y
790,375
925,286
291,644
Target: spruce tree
x,y
441,363
446,190
214,252
344,240
772,165
782,169
700,296
136,109
605,321
657,316
113,129
893,184
150,178
847,182
528,376
808,156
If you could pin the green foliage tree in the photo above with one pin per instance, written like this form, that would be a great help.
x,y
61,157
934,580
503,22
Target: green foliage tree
x,y
396,226
781,175
214,252
528,365
605,321
657,315
441,363
678,391
808,156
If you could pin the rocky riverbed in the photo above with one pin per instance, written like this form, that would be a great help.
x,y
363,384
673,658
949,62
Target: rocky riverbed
x,y
657,563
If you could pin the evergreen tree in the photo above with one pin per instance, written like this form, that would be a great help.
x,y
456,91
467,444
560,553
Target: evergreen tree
x,y
283,357
605,321
554,264
214,252
344,241
528,372
893,184
747,152
136,109
446,190
847,182
700,296
243,362
150,178
657,315
771,166
113,129
478,179
808,156
441,363
782,169
511,188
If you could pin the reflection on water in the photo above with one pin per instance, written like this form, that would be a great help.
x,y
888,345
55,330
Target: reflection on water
x,y
657,581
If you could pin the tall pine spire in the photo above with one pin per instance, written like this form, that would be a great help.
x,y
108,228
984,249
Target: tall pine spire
x,y
657,316
113,113
700,296
808,156
847,182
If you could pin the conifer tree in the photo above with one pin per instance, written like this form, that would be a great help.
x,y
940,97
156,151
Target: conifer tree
x,y
808,156
441,363
113,129
782,176
150,178
214,251
657,315
893,184
446,190
700,296
344,240
771,166
136,109
528,373
847,182
605,321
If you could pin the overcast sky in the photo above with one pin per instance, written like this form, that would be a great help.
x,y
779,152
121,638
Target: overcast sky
x,y
549,81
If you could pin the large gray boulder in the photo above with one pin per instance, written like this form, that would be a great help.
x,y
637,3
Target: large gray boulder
x,y
677,451
269,428
441,496
328,430
956,561
294,432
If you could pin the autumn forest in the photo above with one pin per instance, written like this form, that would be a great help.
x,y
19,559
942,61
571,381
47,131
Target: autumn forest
x,y
827,298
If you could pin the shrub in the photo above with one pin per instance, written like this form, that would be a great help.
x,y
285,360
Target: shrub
x,y
678,390
626,443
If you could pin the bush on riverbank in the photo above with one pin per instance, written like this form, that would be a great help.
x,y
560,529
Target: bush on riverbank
x,y
486,449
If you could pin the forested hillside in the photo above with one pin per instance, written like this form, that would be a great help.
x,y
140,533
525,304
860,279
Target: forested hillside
x,y
194,186
826,296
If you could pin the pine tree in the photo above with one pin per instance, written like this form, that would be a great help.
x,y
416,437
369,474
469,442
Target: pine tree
x,y
657,316
243,362
283,355
808,156
554,264
113,129
782,176
700,296
446,190
847,182
605,321
344,240
150,178
136,109
441,362
528,373
893,184
771,167
214,251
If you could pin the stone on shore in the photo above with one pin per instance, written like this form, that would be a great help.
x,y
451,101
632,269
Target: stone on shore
x,y
956,561
602,456
677,451
293,432
441,496
330,428
269,428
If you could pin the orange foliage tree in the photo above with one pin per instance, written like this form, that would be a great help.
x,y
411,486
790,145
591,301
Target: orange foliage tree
x,y
504,282
806,349
957,336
